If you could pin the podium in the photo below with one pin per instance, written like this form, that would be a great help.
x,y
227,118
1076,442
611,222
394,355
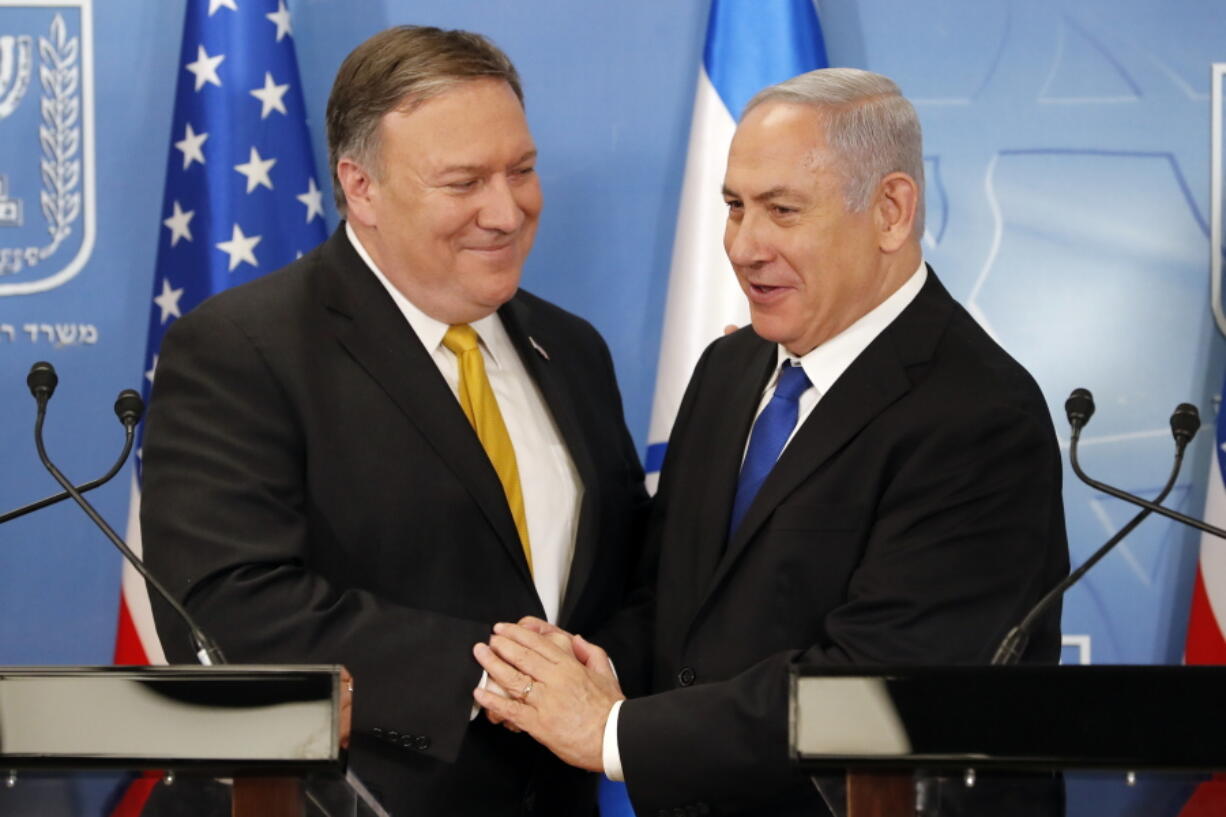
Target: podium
x,y
899,741
228,740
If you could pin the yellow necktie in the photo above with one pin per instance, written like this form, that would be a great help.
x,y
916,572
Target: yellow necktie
x,y
481,408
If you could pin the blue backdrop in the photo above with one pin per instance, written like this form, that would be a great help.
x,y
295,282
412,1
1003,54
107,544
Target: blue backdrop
x,y
1068,160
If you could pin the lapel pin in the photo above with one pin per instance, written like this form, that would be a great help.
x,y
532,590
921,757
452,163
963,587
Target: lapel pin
x,y
539,348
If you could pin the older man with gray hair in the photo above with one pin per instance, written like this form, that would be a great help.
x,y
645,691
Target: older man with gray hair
x,y
863,477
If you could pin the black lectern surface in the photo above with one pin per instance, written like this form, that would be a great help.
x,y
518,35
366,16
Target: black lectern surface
x,y
229,720
1045,718
227,740
943,741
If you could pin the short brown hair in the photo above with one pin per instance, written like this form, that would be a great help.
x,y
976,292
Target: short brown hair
x,y
398,69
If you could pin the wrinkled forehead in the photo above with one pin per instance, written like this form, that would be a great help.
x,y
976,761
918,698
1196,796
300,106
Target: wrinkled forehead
x,y
782,131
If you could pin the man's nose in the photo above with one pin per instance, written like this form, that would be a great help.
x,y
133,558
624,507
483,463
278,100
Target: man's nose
x,y
744,242
500,209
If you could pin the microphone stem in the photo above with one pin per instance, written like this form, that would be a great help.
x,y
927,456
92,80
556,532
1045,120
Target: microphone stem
x,y
129,436
1118,494
1011,647
206,651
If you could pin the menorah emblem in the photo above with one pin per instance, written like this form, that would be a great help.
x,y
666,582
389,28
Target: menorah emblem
x,y
15,63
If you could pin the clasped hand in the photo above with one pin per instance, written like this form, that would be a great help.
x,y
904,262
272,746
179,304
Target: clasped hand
x,y
559,688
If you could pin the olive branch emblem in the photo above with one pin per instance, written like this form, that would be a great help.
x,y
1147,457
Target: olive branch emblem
x,y
60,133
64,135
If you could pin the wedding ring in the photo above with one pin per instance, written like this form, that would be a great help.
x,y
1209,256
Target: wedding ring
x,y
527,689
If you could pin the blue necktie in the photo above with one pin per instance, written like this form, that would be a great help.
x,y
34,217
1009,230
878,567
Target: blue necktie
x,y
770,431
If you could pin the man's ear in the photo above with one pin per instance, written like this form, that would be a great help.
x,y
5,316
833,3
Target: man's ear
x,y
359,189
894,210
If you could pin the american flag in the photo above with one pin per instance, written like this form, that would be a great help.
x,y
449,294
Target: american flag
x,y
242,199
1206,641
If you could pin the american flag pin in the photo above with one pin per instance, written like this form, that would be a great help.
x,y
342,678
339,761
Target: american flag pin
x,y
539,348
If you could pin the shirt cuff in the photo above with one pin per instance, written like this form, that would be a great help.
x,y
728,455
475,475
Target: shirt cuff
x,y
610,755
491,686
485,679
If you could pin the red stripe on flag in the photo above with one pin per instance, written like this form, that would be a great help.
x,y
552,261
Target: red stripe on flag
x,y
137,794
1209,799
128,649
1205,644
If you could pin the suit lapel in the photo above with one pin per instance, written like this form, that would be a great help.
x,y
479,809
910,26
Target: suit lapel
x,y
537,347
367,323
874,381
721,471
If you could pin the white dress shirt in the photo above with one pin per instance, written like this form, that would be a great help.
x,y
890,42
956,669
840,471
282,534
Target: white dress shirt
x,y
551,486
824,365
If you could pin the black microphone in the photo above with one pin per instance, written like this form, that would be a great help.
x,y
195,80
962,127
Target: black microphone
x,y
1184,424
1079,408
129,407
42,381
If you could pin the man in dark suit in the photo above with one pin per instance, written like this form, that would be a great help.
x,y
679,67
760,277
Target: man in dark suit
x,y
369,457
863,477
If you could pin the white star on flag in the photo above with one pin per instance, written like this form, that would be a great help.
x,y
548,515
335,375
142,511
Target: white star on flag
x,y
191,144
168,301
216,4
240,248
281,18
256,171
179,224
271,95
153,368
313,198
205,67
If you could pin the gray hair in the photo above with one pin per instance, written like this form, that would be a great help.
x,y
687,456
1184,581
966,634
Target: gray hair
x,y
870,125
398,69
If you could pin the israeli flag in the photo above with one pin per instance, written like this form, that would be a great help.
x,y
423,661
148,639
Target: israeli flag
x,y
750,44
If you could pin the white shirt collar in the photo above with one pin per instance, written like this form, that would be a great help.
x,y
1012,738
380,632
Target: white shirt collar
x,y
429,330
826,363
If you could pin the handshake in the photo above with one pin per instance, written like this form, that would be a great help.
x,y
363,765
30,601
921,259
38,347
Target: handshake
x,y
557,687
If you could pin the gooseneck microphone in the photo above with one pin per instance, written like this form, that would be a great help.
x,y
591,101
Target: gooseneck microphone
x,y
1184,422
1079,408
42,381
128,408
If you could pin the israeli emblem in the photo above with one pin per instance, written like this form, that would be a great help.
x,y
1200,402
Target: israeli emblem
x,y
47,213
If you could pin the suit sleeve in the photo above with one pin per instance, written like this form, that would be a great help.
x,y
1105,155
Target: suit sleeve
x,y
965,536
227,525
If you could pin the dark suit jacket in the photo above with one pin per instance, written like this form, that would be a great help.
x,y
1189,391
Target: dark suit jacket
x,y
313,493
913,519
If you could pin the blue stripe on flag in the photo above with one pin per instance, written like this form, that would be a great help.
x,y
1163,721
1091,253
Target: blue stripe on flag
x,y
1221,439
752,44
